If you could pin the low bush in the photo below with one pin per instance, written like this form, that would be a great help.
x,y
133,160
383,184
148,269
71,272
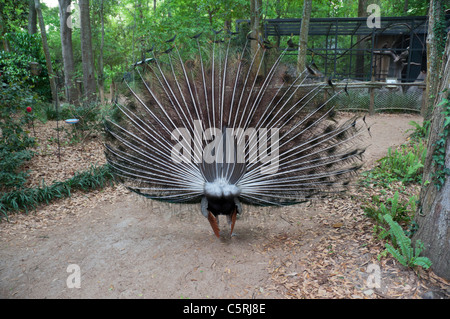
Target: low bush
x,y
15,142
401,248
29,198
395,216
404,164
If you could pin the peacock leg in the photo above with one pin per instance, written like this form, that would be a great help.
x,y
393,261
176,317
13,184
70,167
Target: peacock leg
x,y
214,224
231,221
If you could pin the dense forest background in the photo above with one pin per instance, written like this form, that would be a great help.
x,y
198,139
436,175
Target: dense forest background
x,y
122,30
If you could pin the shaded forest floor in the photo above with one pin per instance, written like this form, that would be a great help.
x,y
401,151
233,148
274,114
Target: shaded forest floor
x,y
129,247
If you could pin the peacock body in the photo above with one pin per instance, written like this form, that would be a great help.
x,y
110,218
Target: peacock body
x,y
229,126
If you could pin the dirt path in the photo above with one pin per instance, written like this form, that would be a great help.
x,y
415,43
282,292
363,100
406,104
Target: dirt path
x,y
126,247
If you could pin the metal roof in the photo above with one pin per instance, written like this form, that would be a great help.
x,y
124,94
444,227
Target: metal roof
x,y
347,26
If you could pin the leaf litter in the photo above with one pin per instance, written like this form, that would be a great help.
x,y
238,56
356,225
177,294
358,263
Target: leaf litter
x,y
322,252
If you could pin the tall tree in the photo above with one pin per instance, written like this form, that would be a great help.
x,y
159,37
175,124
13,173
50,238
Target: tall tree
x,y
434,53
303,41
87,56
67,51
359,65
101,75
51,74
256,29
32,18
405,7
2,33
433,216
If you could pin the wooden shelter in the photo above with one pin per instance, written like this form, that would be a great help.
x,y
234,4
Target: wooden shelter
x,y
347,48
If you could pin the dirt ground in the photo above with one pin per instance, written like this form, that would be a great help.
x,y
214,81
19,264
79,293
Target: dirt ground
x,y
128,247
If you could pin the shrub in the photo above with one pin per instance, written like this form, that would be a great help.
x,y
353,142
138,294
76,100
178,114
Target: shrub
x,y
419,131
404,164
14,140
399,210
25,49
30,198
401,248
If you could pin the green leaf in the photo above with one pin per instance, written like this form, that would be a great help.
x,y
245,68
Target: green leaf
x,y
423,262
397,255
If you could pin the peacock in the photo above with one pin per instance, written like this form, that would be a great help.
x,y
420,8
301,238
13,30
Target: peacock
x,y
231,124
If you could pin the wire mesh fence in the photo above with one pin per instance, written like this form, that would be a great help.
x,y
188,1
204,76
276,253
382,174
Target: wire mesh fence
x,y
376,97
371,97
382,98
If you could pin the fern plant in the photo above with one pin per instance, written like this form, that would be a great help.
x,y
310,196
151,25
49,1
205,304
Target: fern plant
x,y
419,131
399,210
404,164
407,163
404,253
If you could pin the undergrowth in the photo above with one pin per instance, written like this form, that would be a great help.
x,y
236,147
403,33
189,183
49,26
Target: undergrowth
x,y
19,107
404,165
441,172
402,249
394,214
26,199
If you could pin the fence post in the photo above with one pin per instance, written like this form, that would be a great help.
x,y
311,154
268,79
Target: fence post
x,y
372,100
424,104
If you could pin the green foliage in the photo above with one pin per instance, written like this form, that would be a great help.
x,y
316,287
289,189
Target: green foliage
x,y
441,171
388,218
16,64
16,67
419,131
440,27
395,216
399,210
416,7
90,120
14,15
24,44
133,26
14,139
90,116
19,89
30,198
405,165
52,114
401,246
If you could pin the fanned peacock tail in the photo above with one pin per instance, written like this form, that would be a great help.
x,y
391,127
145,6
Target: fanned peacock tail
x,y
229,126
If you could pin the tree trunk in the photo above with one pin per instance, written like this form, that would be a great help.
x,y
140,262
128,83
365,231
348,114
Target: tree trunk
x,y
112,91
433,60
87,56
101,76
303,41
48,60
227,25
32,18
405,7
67,52
255,26
359,65
2,33
433,215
